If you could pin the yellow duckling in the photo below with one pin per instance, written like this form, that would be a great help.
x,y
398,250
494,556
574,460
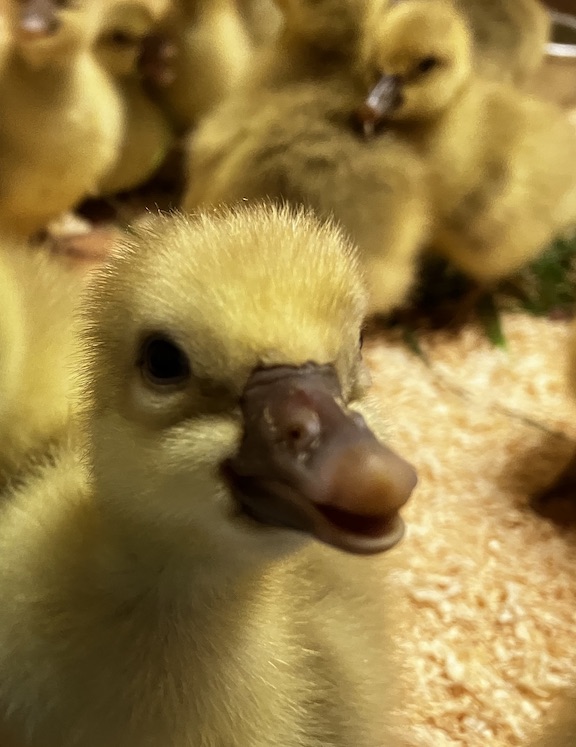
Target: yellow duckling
x,y
502,162
147,132
212,49
62,119
194,568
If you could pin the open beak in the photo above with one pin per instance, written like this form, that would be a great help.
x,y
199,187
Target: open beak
x,y
37,19
307,463
381,101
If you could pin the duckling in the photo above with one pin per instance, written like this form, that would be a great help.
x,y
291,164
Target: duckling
x,y
509,37
212,50
501,162
39,295
201,543
61,123
298,144
147,132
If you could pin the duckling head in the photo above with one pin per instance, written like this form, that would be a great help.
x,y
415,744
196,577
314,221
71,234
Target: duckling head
x,y
49,31
223,368
417,56
125,26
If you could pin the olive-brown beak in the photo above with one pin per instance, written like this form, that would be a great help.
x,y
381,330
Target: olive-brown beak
x,y
308,463
37,19
380,102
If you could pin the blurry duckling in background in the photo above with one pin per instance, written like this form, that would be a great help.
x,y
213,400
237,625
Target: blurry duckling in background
x,y
202,546
315,35
297,144
501,162
212,48
509,37
288,134
147,132
62,119
39,297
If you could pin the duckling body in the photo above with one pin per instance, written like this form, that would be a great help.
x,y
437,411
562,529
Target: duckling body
x,y
61,124
176,615
501,162
515,194
147,132
39,295
299,144
213,48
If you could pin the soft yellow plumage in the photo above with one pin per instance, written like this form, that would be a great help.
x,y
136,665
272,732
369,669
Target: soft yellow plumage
x,y
39,296
501,161
62,120
141,606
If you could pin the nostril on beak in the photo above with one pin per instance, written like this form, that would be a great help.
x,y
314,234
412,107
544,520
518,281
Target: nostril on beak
x,y
299,428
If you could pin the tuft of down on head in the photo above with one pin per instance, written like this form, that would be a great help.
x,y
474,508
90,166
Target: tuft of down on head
x,y
424,46
206,299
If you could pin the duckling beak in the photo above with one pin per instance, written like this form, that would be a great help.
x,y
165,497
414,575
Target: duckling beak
x,y
308,463
37,19
156,62
381,101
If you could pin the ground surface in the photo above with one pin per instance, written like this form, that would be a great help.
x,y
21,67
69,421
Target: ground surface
x,y
491,586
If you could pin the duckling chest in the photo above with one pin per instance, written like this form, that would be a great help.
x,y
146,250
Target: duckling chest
x,y
58,129
252,677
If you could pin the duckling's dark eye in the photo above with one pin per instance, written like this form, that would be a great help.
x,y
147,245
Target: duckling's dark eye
x,y
162,362
427,64
122,39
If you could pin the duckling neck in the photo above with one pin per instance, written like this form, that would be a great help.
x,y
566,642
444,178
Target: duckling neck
x,y
28,94
48,66
178,561
462,108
